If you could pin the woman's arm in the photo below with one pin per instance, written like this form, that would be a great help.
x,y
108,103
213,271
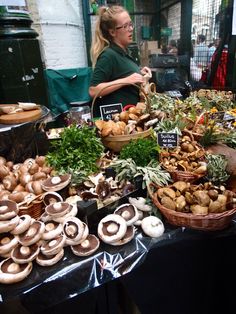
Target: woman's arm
x,y
109,87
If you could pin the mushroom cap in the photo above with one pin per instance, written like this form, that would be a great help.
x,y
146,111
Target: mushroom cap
x,y
87,247
8,209
58,209
9,225
73,229
73,210
152,226
129,235
80,240
11,272
23,225
24,254
140,203
52,230
33,234
129,212
111,228
7,242
49,260
56,183
51,197
52,247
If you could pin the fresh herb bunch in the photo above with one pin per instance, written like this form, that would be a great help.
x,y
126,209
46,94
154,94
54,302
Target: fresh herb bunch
x,y
77,151
211,137
142,151
127,169
216,169
171,126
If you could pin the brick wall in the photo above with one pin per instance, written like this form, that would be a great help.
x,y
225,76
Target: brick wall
x,y
61,32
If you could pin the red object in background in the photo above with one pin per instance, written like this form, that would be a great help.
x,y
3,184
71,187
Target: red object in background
x,y
219,81
126,107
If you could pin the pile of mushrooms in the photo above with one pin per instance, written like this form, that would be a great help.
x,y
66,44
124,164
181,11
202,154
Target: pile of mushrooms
x,y
119,228
199,199
105,190
24,240
187,156
130,121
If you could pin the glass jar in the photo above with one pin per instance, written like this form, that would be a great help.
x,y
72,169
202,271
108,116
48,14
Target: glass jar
x,y
80,112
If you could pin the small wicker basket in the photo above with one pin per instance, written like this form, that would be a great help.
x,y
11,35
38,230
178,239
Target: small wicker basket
x,y
210,222
34,208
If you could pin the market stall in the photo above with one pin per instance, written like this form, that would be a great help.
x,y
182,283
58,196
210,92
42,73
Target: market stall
x,y
109,199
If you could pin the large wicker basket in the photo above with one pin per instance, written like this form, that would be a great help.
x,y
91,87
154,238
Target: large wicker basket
x,y
116,143
210,222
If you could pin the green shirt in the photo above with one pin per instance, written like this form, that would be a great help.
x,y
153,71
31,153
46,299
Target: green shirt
x,y
112,64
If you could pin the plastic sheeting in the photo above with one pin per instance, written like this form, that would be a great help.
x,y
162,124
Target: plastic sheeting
x,y
75,275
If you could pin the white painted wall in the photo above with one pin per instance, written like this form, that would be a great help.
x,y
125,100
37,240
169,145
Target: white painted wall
x,y
61,32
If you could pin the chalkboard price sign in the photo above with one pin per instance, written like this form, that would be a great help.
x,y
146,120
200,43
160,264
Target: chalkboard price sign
x,y
108,110
167,139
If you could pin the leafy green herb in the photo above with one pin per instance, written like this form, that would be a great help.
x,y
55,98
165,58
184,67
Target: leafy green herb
x,y
76,152
141,150
216,168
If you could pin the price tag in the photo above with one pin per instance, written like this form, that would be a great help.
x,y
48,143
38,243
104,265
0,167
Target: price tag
x,y
167,139
108,110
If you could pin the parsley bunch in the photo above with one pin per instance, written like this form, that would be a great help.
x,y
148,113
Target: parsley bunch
x,y
141,150
77,151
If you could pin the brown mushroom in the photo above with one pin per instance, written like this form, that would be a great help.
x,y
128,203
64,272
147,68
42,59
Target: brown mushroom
x,y
33,234
58,209
49,260
51,198
111,228
56,183
129,212
52,247
52,230
9,225
11,272
24,254
23,224
73,229
87,247
129,235
8,209
7,242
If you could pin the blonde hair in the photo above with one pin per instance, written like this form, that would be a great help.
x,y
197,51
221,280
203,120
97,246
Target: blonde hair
x,y
105,22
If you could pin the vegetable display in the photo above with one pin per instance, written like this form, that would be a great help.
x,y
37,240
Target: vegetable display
x,y
76,152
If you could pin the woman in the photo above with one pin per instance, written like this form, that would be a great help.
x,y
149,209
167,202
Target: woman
x,y
114,69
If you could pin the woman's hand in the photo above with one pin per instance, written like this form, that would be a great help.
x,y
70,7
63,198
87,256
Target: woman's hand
x,y
146,71
134,78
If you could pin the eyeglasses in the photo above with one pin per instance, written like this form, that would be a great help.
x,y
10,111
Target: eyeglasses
x,y
126,26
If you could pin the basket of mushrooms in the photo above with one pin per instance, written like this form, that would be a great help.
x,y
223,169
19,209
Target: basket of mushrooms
x,y
186,162
202,207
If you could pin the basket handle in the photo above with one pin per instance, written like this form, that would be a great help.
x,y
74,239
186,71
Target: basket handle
x,y
114,84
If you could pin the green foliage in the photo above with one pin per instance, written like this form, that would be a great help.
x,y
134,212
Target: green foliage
x,y
216,169
76,152
142,151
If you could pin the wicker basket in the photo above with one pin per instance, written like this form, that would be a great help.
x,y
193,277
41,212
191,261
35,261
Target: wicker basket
x,y
185,176
116,143
210,222
34,209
